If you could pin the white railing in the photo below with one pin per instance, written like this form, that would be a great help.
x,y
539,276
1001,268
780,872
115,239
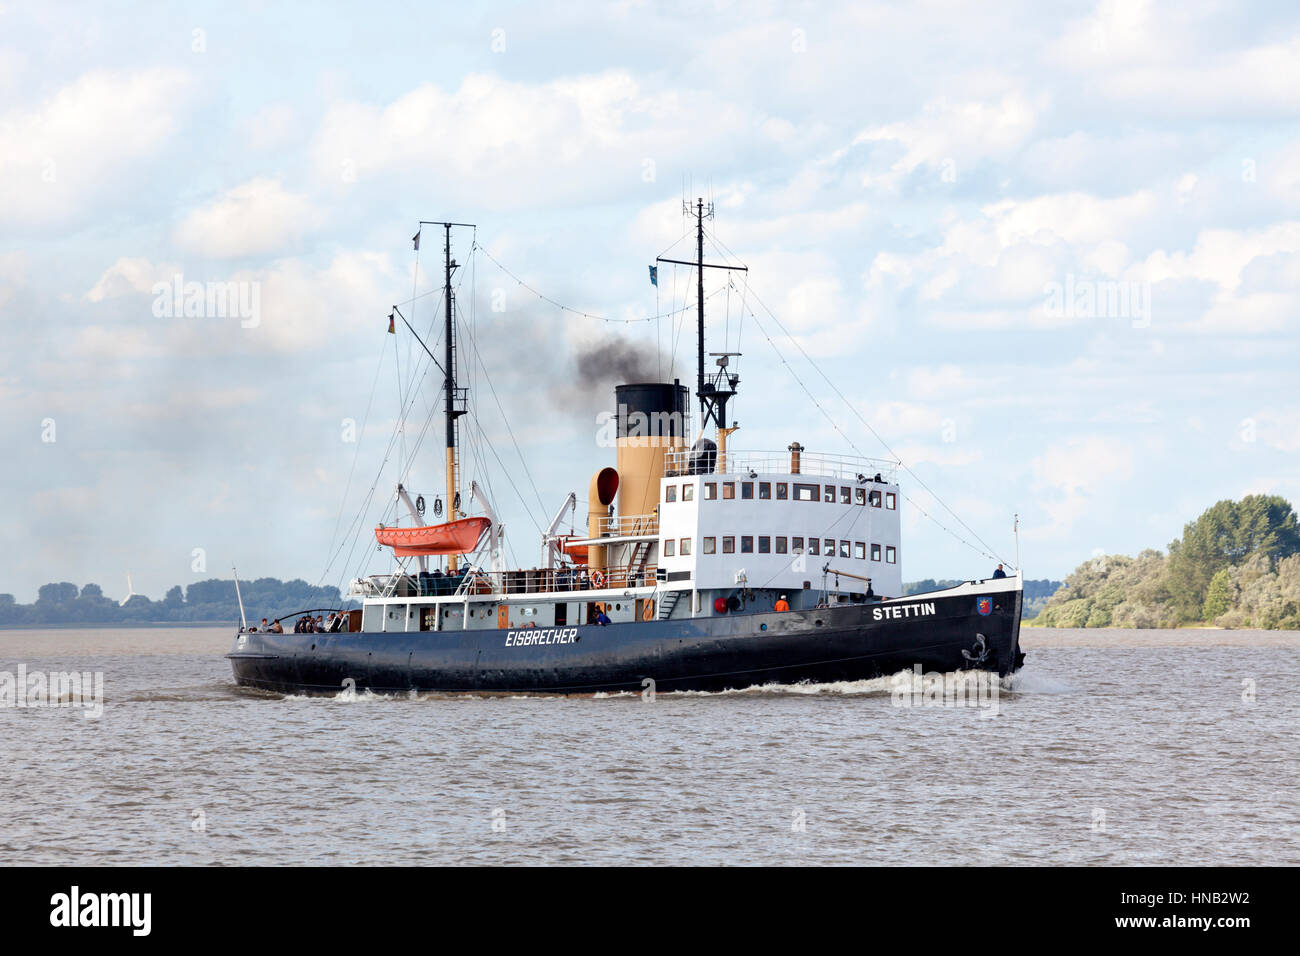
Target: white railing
x,y
628,525
816,464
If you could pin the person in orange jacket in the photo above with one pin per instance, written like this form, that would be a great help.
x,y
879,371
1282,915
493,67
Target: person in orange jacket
x,y
782,604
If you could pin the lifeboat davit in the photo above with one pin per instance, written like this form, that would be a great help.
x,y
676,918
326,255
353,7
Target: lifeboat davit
x,y
454,537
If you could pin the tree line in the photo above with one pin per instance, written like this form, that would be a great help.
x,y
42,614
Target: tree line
x,y
212,600
1237,565
1035,596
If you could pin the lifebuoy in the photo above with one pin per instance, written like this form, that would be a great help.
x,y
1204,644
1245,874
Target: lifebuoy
x,y
597,579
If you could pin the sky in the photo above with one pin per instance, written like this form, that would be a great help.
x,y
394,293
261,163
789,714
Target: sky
x,y
1048,255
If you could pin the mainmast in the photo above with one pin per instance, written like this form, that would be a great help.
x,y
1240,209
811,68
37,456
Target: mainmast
x,y
454,397
713,399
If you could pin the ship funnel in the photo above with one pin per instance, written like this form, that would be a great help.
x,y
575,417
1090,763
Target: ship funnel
x,y
651,423
795,449
600,495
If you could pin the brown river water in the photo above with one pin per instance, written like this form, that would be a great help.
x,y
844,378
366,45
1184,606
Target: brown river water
x,y
1111,747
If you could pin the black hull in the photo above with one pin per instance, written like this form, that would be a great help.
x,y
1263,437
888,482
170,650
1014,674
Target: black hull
x,y
841,643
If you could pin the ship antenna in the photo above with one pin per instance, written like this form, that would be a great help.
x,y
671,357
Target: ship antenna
x,y
455,397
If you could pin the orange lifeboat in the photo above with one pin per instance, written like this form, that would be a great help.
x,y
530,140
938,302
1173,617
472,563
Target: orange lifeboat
x,y
454,537
578,552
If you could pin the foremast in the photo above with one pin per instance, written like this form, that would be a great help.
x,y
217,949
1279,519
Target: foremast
x,y
454,397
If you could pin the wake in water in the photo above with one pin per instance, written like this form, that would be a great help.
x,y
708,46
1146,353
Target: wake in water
x,y
1022,682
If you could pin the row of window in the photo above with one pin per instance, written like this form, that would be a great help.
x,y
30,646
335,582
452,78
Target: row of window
x,y
780,544
844,494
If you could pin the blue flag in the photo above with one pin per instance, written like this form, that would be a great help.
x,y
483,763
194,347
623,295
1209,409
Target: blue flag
x,y
654,275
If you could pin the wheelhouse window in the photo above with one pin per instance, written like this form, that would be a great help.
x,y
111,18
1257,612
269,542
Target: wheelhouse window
x,y
829,548
805,492
685,546
780,544
829,495
710,545
860,550
670,548
670,493
844,549
846,495
782,491
814,545
728,489
875,499
891,555
710,490
728,544
747,490
891,500
746,544
764,544
875,552
859,496
764,490
796,545
688,492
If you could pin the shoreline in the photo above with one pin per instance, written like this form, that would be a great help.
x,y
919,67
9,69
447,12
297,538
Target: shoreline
x,y
90,625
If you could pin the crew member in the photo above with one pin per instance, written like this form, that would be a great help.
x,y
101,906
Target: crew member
x,y
999,573
782,604
602,618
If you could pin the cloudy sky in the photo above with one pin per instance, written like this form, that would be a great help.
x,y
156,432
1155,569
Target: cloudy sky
x,y
1052,256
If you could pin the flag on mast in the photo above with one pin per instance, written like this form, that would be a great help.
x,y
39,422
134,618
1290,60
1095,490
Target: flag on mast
x,y
654,275
392,328
416,239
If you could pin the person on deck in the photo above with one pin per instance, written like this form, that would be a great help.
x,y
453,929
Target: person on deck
x,y
782,604
602,618
275,627
999,573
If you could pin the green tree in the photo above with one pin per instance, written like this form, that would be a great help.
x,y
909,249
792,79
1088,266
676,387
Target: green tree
x,y
1218,596
1226,534
60,593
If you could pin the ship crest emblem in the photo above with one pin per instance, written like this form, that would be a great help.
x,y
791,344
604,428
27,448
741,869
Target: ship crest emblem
x,y
984,605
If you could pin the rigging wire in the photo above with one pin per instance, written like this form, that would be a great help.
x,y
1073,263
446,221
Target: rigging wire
x,y
987,552
565,308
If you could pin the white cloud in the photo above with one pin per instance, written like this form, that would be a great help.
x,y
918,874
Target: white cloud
x,y
58,158
508,144
130,274
254,218
1078,475
13,274
957,132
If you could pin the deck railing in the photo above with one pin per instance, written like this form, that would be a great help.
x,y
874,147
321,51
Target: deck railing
x,y
815,464
526,581
629,525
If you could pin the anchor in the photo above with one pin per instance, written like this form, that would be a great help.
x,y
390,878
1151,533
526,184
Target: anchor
x,y
981,651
